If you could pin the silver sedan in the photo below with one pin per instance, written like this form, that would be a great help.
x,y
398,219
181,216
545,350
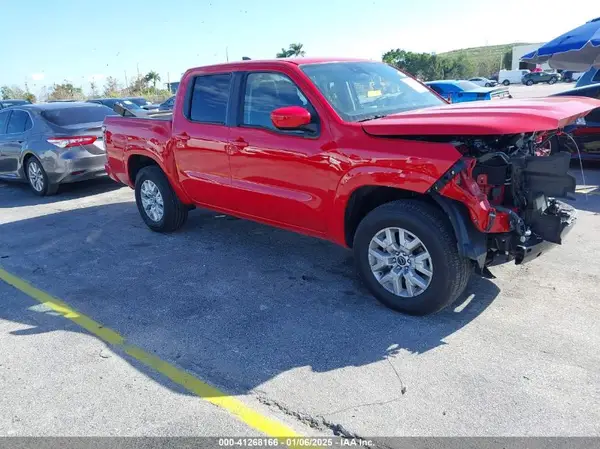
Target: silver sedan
x,y
49,144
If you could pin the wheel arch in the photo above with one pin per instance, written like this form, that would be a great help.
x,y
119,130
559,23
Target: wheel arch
x,y
135,161
471,243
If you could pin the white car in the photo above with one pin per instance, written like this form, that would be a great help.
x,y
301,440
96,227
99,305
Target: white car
x,y
483,82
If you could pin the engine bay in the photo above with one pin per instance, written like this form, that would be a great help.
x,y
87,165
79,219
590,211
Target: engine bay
x,y
511,185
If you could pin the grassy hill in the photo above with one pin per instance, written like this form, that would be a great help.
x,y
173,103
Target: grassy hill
x,y
486,60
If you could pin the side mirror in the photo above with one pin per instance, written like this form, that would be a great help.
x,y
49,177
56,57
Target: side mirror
x,y
290,117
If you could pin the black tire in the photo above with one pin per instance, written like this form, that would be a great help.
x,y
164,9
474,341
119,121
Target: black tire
x,y
46,188
529,83
450,272
488,85
506,82
552,80
175,212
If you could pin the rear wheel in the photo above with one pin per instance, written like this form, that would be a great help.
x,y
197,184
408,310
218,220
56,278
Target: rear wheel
x,y
529,83
406,254
506,82
158,204
38,179
488,85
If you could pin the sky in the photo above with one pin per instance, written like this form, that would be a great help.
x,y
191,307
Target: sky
x,y
82,41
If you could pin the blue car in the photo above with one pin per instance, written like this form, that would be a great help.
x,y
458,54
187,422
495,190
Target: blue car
x,y
459,91
592,76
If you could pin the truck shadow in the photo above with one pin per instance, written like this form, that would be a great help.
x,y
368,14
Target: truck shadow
x,y
231,301
17,194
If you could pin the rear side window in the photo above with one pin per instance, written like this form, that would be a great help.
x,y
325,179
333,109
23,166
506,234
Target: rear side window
x,y
437,88
18,123
3,120
596,78
210,96
74,116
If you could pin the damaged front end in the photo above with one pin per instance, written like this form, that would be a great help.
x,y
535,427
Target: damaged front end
x,y
509,186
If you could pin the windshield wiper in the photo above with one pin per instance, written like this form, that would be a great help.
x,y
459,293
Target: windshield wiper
x,y
372,117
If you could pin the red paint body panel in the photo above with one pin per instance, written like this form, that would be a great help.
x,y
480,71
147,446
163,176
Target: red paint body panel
x,y
485,117
304,183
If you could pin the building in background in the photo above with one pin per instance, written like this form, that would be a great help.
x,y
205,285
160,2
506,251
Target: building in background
x,y
518,51
172,87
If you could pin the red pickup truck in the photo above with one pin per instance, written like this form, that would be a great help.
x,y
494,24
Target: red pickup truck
x,y
363,155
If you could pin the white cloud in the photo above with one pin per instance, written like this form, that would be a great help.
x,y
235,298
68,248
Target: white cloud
x,y
96,77
37,76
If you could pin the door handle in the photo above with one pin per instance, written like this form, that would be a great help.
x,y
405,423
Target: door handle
x,y
239,144
183,136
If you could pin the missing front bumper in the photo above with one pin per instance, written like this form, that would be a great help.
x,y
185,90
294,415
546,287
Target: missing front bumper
x,y
551,229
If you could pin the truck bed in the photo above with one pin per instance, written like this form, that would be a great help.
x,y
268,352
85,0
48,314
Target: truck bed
x,y
134,135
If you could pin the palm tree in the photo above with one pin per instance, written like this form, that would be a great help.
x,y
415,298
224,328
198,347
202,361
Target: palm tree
x,y
296,50
283,53
152,77
293,50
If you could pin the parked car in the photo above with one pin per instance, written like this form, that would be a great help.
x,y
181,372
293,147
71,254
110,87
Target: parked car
x,y
529,79
507,77
168,104
459,91
141,102
363,155
132,109
53,143
483,82
585,131
592,76
569,76
8,103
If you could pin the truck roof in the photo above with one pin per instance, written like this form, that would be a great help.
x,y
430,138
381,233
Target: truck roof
x,y
241,65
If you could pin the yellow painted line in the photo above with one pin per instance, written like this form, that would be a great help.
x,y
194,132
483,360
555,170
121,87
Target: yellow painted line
x,y
268,426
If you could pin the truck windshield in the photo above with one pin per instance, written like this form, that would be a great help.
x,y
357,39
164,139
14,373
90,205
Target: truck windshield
x,y
361,91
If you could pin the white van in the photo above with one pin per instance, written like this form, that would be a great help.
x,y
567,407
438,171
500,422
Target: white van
x,y
507,77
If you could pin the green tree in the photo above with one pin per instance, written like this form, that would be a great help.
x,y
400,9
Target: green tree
x,y
282,54
293,50
112,87
507,60
424,66
13,92
65,91
296,50
93,89
152,77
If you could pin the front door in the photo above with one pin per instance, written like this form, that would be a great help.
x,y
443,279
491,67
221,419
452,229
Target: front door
x,y
281,177
201,139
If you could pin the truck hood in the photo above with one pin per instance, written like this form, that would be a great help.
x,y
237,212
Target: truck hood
x,y
484,117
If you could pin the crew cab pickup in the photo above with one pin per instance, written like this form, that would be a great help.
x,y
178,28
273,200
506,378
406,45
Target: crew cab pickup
x,y
363,155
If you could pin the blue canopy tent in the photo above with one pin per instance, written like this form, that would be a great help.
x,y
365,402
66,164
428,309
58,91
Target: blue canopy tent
x,y
577,50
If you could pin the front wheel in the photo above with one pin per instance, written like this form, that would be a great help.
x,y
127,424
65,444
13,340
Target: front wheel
x,y
488,85
552,81
529,83
158,204
406,254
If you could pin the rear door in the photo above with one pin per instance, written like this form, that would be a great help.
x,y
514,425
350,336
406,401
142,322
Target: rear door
x,y
201,135
13,141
